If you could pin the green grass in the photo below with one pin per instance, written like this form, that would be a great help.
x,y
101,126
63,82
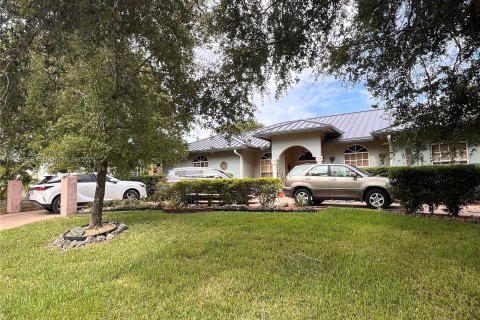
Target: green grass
x,y
335,264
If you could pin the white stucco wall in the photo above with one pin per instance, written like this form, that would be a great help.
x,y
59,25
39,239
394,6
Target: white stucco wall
x,y
214,160
309,140
398,155
375,149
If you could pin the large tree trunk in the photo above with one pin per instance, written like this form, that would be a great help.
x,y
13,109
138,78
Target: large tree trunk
x,y
96,216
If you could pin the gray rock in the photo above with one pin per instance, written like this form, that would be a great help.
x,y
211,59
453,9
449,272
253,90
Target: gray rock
x,y
76,232
90,239
100,238
110,236
59,242
66,245
73,244
121,227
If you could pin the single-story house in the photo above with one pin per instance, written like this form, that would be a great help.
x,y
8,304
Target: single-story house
x,y
356,138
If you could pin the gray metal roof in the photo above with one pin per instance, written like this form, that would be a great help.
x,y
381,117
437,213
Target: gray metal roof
x,y
301,125
361,125
220,143
351,126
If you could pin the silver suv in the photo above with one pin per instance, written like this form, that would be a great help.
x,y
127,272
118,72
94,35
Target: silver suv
x,y
189,173
314,183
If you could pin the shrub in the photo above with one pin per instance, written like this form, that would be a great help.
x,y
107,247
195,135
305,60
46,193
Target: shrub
x,y
150,183
226,191
379,171
451,185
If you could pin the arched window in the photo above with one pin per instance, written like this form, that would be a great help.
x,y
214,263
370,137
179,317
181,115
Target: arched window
x,y
200,161
266,165
306,157
357,155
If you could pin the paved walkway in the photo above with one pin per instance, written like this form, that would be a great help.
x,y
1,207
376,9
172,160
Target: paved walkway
x,y
12,220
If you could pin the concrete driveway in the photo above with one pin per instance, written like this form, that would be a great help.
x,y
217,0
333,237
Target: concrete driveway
x,y
13,220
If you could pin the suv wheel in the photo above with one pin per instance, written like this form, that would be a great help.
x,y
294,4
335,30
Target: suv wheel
x,y
377,198
303,197
131,195
56,205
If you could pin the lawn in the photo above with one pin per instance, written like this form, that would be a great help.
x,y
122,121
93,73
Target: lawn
x,y
335,264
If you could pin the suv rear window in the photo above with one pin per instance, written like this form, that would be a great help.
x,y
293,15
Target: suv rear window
x,y
295,171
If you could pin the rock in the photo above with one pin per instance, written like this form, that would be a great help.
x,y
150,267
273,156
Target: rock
x,y
76,232
73,244
100,238
90,239
110,236
121,227
59,242
66,245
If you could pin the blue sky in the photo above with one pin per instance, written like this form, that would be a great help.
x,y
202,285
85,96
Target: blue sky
x,y
308,98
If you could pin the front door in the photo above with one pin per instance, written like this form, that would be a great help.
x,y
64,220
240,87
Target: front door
x,y
318,181
342,184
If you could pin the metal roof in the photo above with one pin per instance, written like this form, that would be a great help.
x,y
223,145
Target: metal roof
x,y
361,125
220,143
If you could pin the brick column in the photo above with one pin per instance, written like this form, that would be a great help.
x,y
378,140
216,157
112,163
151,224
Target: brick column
x,y
14,196
68,196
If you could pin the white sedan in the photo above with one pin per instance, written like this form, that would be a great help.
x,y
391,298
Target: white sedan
x,y
47,193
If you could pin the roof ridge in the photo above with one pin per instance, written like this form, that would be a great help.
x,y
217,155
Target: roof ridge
x,y
343,114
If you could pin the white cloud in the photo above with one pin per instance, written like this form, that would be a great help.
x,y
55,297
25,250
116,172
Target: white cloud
x,y
310,97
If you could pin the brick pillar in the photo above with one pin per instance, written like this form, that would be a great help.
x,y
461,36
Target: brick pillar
x,y
14,196
68,196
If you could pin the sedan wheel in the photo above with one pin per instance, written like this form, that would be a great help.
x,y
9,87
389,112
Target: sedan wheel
x,y
377,199
131,195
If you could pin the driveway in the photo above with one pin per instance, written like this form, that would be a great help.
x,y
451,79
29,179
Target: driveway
x,y
13,220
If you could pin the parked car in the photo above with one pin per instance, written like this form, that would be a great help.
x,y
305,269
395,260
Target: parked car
x,y
315,183
47,194
190,173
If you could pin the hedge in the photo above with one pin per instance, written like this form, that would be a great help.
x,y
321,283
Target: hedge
x,y
150,183
451,185
226,191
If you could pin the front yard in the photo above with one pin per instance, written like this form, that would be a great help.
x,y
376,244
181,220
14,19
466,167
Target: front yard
x,y
334,264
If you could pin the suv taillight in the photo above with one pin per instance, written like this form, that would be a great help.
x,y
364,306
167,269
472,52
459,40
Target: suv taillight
x,y
42,188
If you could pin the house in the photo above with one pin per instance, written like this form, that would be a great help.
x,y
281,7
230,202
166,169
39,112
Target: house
x,y
358,138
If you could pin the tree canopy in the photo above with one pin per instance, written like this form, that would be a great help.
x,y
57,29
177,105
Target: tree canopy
x,y
419,58
96,85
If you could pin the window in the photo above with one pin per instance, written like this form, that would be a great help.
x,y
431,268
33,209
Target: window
x,y
306,157
441,153
200,161
266,169
340,171
319,171
357,155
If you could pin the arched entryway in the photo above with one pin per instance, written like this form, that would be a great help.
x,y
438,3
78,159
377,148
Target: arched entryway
x,y
293,156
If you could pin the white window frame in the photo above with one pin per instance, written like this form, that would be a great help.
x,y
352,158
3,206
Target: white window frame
x,y
200,162
467,152
355,152
266,160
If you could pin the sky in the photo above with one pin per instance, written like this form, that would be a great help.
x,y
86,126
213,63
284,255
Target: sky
x,y
308,98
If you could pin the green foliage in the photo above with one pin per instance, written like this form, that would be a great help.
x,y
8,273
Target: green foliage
x,y
451,185
150,183
227,191
419,58
379,171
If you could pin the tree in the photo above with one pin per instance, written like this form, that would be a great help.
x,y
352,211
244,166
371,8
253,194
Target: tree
x,y
420,58
103,84
240,127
